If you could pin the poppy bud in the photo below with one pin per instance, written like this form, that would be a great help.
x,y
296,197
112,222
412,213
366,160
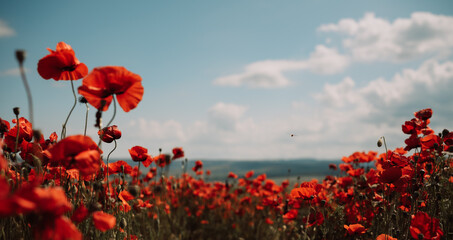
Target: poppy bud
x,y
123,223
379,142
445,132
422,172
157,189
82,99
37,135
95,207
20,55
97,186
134,190
16,111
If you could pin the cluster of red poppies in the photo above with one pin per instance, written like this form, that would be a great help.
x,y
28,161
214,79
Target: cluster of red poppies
x,y
67,189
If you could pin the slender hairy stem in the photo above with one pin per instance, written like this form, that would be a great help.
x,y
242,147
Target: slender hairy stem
x,y
111,120
86,120
63,131
385,145
17,137
114,112
138,171
27,89
108,190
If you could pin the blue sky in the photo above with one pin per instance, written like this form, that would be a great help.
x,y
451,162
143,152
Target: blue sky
x,y
234,79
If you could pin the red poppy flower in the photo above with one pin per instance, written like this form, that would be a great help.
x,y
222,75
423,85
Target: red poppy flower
x,y
119,167
290,215
232,175
177,153
4,127
140,154
333,166
314,219
355,229
269,221
108,134
424,114
103,221
391,175
3,161
80,214
249,174
25,133
162,160
425,227
412,142
304,193
125,196
385,237
49,200
103,82
62,228
61,64
430,142
76,152
198,165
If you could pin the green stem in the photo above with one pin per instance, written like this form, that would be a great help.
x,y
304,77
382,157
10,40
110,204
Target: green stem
x,y
63,131
17,137
111,120
138,172
108,188
86,120
114,112
385,145
27,89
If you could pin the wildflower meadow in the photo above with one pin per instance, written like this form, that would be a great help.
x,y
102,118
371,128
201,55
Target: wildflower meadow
x,y
65,186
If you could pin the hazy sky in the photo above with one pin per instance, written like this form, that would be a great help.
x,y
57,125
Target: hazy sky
x,y
234,79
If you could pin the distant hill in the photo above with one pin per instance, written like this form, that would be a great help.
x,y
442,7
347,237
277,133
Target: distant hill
x,y
277,170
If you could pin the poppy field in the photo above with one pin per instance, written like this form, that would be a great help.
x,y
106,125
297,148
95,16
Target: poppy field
x,y
66,187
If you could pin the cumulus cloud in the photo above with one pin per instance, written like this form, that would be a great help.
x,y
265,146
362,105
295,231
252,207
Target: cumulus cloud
x,y
409,85
345,117
270,73
5,30
225,116
372,38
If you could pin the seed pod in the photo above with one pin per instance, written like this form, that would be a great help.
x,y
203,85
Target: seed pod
x,y
379,142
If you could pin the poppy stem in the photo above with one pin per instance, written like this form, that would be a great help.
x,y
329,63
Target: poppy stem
x,y
385,145
27,88
17,137
138,171
108,187
63,131
114,112
86,120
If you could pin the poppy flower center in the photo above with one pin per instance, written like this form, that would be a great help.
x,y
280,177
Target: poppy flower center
x,y
69,68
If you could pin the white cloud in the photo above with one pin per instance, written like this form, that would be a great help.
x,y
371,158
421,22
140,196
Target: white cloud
x,y
168,130
225,116
372,38
5,30
326,60
346,117
409,85
270,73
